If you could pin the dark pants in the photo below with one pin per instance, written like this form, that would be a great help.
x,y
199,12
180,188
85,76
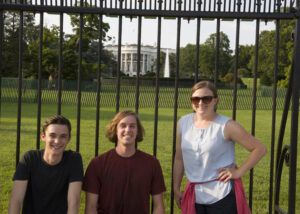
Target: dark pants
x,y
225,206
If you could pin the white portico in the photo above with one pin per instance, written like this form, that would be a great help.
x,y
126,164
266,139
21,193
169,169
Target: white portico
x,y
129,58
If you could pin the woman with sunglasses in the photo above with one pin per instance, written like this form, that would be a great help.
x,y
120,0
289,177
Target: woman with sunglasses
x,y
205,151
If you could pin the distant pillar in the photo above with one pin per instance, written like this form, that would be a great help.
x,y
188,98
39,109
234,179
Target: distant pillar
x,y
125,64
144,64
131,64
122,66
167,65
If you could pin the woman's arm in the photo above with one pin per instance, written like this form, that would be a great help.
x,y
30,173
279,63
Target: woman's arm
x,y
236,133
178,170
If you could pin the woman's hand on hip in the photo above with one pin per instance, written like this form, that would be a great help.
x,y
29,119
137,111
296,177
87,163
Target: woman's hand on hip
x,y
178,198
226,174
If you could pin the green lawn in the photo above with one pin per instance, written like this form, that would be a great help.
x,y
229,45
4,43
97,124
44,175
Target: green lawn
x,y
147,97
8,127
249,81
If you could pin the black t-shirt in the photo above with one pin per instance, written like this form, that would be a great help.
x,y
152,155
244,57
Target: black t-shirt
x,y
47,188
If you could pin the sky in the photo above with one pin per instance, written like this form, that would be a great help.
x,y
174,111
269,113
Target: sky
x,y
169,30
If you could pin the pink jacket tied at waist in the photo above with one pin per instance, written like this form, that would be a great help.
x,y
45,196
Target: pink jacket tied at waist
x,y
188,198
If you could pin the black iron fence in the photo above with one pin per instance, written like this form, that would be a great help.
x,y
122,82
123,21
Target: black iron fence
x,y
127,94
257,10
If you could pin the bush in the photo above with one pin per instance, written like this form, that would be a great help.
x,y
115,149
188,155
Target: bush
x,y
229,79
265,80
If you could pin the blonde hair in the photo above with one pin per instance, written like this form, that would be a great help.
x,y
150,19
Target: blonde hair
x,y
111,132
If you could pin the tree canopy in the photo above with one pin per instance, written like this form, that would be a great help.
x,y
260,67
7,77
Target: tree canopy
x,y
50,49
206,66
90,35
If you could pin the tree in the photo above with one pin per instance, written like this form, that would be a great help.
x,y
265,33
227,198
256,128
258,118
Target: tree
x,y
187,60
50,55
10,53
225,55
108,61
229,79
245,55
206,66
266,54
286,50
90,34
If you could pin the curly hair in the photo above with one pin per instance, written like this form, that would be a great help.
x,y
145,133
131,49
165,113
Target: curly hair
x,y
111,132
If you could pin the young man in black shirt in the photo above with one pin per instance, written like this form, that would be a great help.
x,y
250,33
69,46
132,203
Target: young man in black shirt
x,y
49,180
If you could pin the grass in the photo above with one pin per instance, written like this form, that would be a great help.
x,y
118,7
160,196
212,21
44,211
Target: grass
x,y
147,97
8,130
249,81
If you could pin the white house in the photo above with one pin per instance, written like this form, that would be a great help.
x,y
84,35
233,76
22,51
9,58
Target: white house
x,y
129,57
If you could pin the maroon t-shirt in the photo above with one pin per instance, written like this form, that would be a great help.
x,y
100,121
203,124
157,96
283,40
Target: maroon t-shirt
x,y
124,185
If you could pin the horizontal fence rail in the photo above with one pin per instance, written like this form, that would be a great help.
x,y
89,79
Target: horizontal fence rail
x,y
247,9
248,6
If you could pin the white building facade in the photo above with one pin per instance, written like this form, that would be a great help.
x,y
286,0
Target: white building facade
x,y
129,58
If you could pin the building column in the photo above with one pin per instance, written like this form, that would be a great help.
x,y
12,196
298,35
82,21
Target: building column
x,y
121,62
147,63
125,63
131,64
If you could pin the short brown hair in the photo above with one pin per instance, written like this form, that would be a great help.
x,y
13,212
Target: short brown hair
x,y
111,132
56,119
205,84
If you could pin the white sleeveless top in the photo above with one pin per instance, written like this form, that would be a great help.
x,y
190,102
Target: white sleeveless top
x,y
205,151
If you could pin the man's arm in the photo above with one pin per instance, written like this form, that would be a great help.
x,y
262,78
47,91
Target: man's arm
x,y
17,196
158,204
74,197
91,203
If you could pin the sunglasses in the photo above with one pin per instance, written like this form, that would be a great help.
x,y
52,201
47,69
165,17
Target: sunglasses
x,y
205,99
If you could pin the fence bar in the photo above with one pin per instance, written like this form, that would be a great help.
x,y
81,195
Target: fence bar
x,y
274,116
157,84
119,64
294,121
1,56
236,67
278,178
39,89
197,50
79,81
175,107
20,87
98,83
217,52
137,92
254,105
60,61
280,152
